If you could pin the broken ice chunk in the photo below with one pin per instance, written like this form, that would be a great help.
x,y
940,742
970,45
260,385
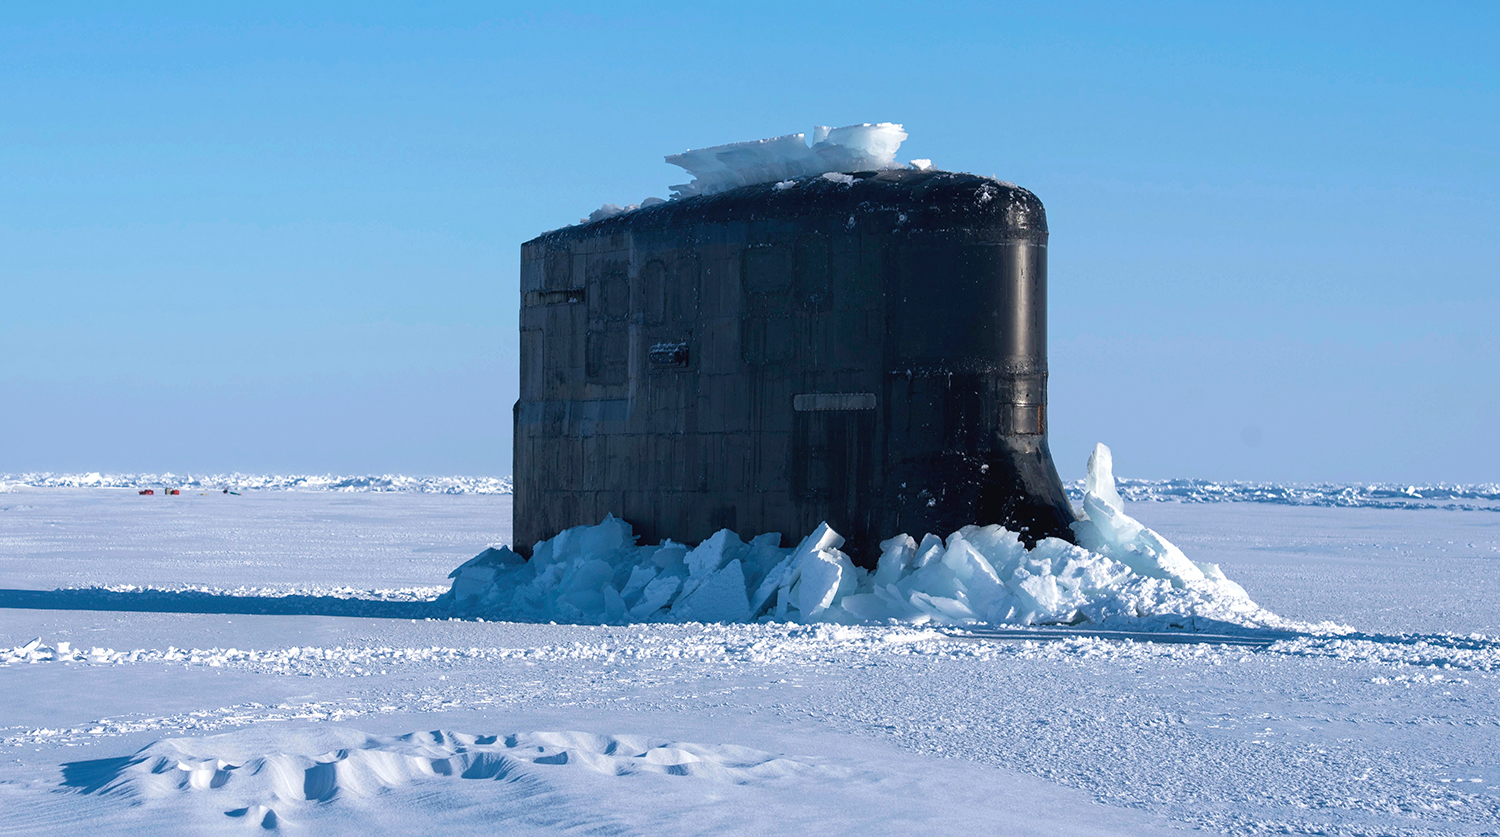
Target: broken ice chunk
x,y
707,557
721,598
821,575
640,576
719,168
608,210
655,596
930,550
1106,529
896,555
475,577
779,579
1100,479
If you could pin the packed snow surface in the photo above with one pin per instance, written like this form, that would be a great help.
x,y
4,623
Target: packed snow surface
x,y
1122,574
863,147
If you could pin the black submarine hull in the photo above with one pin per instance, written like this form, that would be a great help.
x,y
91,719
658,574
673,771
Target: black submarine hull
x,y
868,353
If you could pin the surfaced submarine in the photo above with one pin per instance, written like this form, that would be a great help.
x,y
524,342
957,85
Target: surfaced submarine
x,y
867,349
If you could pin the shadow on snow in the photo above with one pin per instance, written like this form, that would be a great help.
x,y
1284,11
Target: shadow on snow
x,y
193,601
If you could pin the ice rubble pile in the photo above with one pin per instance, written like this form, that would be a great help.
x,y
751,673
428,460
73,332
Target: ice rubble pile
x,y
1121,573
35,652
863,147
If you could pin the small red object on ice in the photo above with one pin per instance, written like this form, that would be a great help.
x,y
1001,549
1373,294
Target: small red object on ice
x,y
145,491
175,491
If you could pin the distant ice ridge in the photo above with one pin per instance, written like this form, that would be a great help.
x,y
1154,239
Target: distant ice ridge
x,y
244,482
1122,574
864,147
1478,497
1461,497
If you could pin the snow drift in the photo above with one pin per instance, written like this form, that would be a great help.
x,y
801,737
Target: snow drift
x,y
260,778
1122,572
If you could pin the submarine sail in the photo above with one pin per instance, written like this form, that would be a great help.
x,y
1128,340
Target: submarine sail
x,y
866,349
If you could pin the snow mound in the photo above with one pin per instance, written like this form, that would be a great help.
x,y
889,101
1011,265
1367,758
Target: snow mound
x,y
1123,573
864,147
269,778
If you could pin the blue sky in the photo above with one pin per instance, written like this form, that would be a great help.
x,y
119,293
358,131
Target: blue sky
x,y
286,239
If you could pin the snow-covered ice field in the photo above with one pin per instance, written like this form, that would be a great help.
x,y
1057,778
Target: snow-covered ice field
x,y
267,660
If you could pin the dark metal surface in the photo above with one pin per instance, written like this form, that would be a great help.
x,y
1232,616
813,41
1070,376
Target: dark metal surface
x,y
872,354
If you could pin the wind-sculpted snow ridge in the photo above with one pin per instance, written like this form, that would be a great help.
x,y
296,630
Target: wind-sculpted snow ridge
x,y
266,780
1478,497
263,482
1122,574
